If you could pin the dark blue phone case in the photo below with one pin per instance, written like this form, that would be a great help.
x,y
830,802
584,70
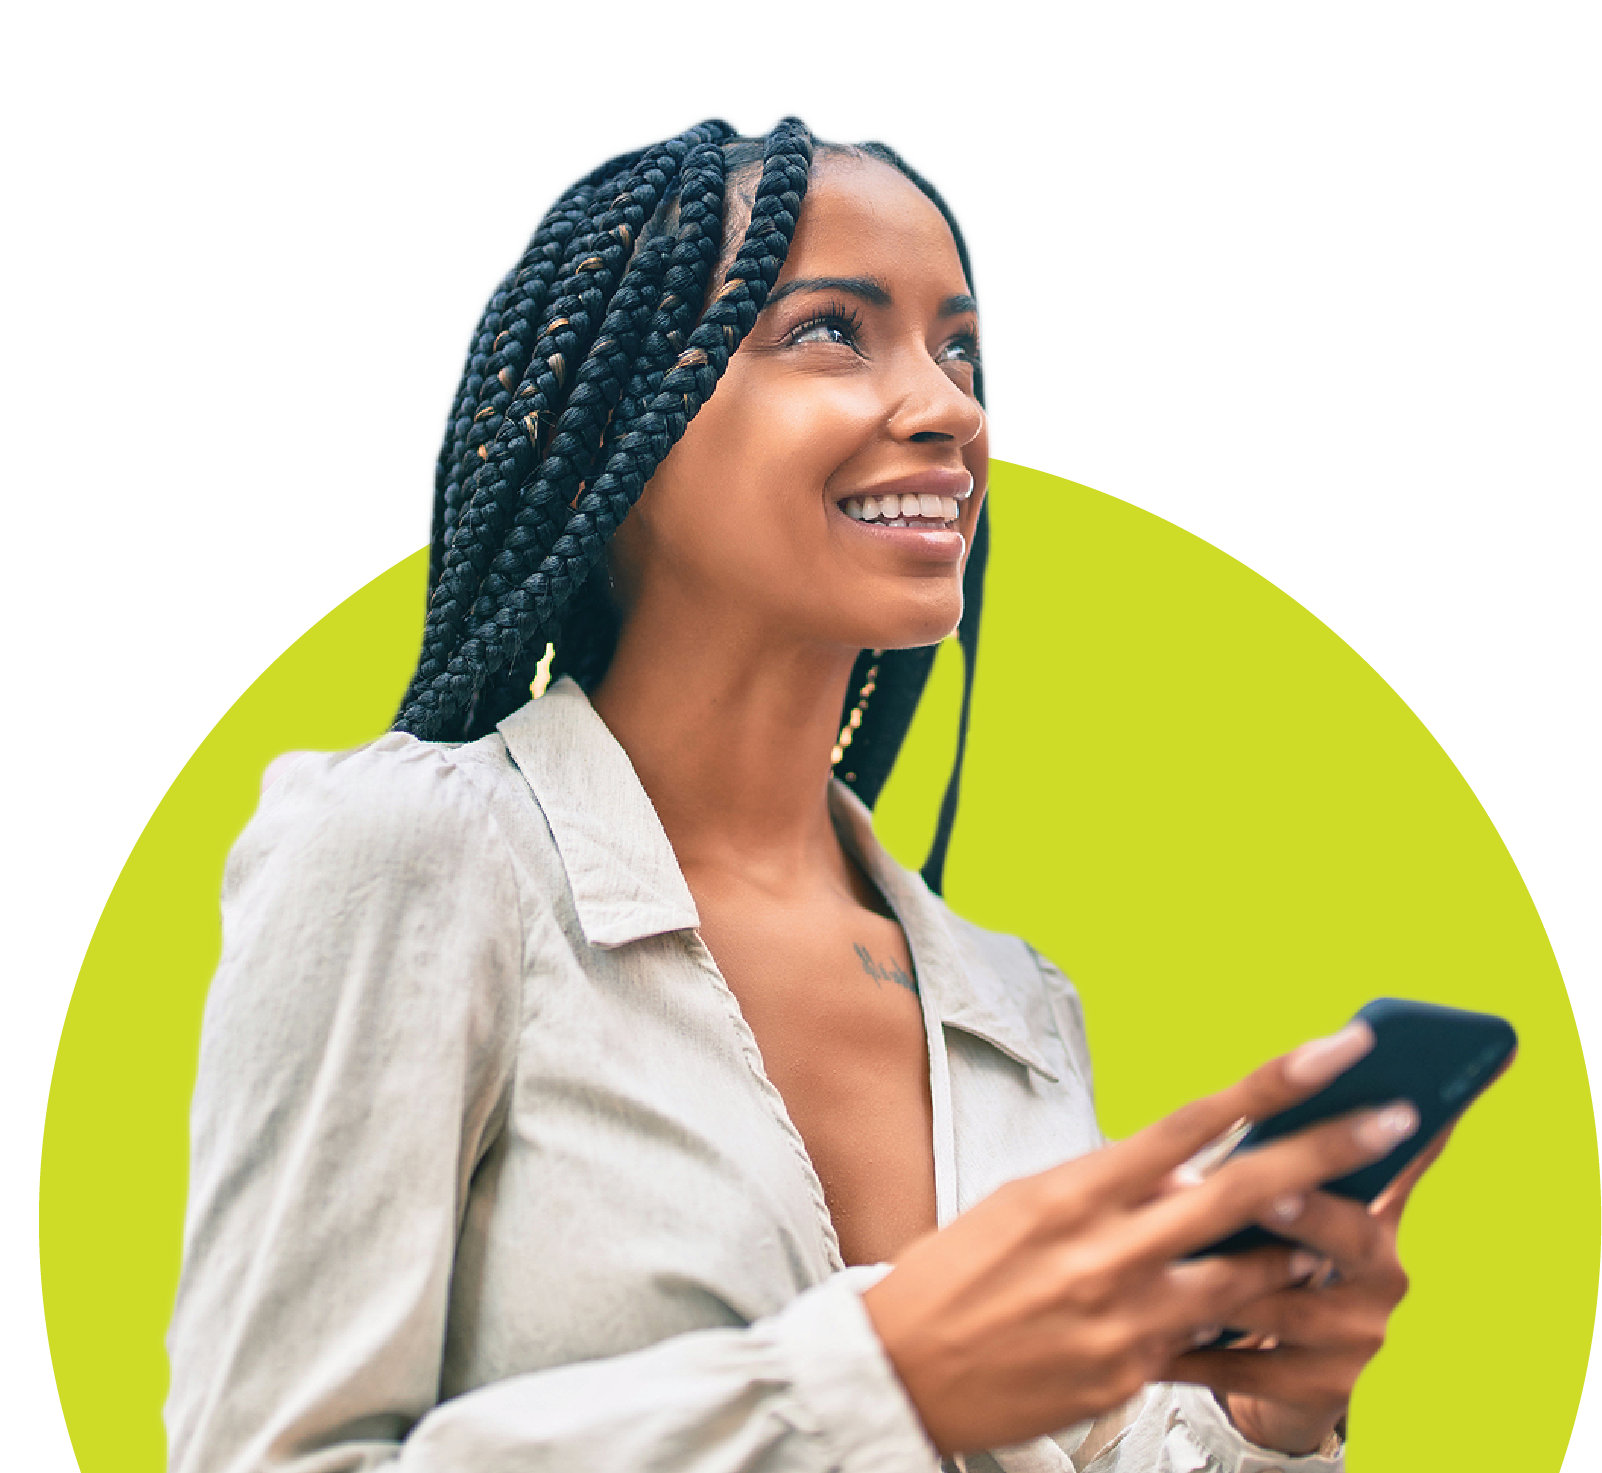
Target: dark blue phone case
x,y
1439,1058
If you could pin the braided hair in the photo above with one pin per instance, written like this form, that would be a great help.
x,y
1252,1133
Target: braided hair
x,y
591,358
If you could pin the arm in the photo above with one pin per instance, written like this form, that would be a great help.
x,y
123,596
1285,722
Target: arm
x,y
356,1061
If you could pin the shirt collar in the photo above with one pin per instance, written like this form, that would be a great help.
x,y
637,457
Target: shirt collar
x,y
625,879
627,884
967,990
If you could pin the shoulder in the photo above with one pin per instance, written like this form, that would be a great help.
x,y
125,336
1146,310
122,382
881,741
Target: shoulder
x,y
397,842
373,890
397,808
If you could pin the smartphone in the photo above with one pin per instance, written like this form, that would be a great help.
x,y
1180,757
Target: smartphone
x,y
1439,1058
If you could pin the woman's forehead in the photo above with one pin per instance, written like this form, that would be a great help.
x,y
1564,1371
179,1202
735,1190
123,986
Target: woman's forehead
x,y
859,208
860,216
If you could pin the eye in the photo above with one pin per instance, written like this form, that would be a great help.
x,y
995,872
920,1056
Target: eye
x,y
835,323
964,348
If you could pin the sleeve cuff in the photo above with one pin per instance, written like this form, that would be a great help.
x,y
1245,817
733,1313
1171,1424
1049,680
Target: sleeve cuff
x,y
1205,1422
844,1388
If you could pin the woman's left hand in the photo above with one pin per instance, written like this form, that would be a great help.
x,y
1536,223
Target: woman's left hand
x,y
1288,1386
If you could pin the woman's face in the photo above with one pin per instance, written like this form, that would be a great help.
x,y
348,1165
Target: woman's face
x,y
784,510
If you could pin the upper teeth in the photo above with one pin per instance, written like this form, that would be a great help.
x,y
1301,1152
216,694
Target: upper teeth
x,y
894,508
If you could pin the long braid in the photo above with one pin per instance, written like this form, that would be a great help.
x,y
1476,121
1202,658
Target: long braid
x,y
505,335
502,345
576,450
501,467
489,606
499,450
583,645
535,608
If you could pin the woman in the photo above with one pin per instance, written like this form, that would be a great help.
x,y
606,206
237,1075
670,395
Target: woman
x,y
576,1067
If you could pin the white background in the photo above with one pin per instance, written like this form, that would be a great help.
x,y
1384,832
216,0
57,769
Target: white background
x,y
1319,284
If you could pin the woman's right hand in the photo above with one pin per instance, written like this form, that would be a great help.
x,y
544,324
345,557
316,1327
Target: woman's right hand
x,y
1059,1296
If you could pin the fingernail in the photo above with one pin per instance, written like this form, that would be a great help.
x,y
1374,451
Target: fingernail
x,y
1287,1208
1206,1335
1304,1264
1321,1060
1383,1129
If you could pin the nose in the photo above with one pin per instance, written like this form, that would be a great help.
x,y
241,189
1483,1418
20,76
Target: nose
x,y
931,405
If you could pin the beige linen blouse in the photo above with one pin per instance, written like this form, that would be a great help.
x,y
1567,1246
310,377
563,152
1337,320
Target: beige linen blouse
x,y
487,1175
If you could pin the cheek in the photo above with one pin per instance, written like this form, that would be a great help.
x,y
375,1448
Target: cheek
x,y
744,495
757,452
796,442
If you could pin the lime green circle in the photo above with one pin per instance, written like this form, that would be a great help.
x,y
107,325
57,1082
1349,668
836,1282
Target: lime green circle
x,y
1180,786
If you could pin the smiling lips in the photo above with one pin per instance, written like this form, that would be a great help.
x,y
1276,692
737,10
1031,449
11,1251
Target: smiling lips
x,y
901,511
930,499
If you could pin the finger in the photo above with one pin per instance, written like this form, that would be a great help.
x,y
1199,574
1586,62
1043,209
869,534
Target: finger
x,y
1287,1318
1248,1187
1393,1199
1389,1204
1338,1229
1194,1171
1180,1179
1342,1319
1147,1156
1211,1291
1287,1372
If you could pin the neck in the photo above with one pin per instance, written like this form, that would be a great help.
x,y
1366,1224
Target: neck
x,y
731,740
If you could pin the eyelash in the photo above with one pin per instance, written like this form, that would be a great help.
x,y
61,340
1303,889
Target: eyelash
x,y
835,314
969,343
849,323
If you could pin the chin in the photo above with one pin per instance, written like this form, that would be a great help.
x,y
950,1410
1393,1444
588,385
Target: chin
x,y
923,626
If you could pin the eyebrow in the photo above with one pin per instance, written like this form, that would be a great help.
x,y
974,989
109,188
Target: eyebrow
x,y
868,288
857,286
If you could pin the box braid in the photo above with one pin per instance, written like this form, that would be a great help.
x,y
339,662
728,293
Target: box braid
x,y
501,348
591,358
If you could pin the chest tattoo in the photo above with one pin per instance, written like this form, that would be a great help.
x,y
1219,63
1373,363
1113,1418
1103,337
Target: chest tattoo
x,y
879,973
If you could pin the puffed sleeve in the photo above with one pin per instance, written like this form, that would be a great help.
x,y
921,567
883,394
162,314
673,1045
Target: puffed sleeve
x,y
357,1058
